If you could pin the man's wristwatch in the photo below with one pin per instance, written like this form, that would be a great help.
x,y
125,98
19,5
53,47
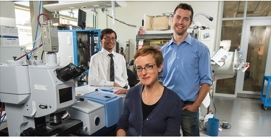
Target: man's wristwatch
x,y
126,86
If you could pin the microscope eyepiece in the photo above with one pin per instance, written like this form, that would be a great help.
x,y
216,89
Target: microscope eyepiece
x,y
70,72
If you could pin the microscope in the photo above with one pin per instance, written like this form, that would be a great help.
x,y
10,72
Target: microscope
x,y
37,95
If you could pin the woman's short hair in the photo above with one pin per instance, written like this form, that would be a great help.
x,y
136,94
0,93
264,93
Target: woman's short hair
x,y
155,52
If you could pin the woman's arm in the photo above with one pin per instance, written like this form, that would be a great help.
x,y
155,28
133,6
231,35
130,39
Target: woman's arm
x,y
123,124
174,120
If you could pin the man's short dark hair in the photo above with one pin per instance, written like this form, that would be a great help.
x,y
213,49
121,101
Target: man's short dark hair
x,y
107,31
185,6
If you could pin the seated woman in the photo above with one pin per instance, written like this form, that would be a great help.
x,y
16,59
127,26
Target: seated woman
x,y
150,109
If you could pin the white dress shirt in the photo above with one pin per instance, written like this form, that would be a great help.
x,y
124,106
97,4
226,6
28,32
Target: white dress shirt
x,y
99,69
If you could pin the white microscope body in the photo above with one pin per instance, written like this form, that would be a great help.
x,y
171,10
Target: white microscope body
x,y
34,93
31,92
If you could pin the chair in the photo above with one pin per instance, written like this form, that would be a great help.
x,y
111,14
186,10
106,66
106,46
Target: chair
x,y
132,78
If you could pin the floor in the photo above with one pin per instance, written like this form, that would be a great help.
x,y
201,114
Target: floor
x,y
245,115
227,86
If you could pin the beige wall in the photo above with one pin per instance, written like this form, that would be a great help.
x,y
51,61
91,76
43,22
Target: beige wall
x,y
7,14
134,12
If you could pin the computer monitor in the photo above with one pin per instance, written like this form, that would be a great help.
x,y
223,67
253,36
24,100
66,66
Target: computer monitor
x,y
81,19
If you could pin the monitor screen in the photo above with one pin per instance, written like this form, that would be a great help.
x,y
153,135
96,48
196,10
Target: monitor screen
x,y
65,94
81,19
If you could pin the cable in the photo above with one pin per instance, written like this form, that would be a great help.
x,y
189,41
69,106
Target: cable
x,y
123,22
202,125
42,55
225,125
229,126
37,30
2,105
34,43
205,15
29,57
3,118
103,10
215,110
212,98
39,18
29,52
38,37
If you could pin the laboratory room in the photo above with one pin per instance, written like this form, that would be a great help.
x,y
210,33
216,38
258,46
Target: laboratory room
x,y
135,68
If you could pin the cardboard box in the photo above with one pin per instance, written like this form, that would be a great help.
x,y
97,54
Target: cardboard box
x,y
157,23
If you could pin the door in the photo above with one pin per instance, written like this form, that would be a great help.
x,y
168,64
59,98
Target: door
x,y
256,47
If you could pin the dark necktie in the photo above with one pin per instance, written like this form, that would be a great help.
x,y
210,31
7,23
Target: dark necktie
x,y
111,67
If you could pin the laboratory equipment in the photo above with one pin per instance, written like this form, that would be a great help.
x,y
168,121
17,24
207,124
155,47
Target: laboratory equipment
x,y
77,46
7,52
98,109
35,103
226,63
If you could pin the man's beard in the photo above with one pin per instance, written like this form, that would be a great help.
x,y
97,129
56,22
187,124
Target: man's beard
x,y
180,33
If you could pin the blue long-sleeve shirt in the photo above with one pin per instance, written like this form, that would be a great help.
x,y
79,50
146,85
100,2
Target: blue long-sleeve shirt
x,y
186,67
164,120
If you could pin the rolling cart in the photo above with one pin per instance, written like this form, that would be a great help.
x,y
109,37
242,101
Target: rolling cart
x,y
266,102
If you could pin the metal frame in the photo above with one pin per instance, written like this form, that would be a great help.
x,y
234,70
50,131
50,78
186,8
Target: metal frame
x,y
265,97
246,20
244,41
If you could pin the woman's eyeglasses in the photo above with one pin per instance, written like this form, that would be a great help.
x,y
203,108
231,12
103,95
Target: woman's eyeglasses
x,y
147,67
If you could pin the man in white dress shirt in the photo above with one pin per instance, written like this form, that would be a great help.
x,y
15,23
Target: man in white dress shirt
x,y
99,67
